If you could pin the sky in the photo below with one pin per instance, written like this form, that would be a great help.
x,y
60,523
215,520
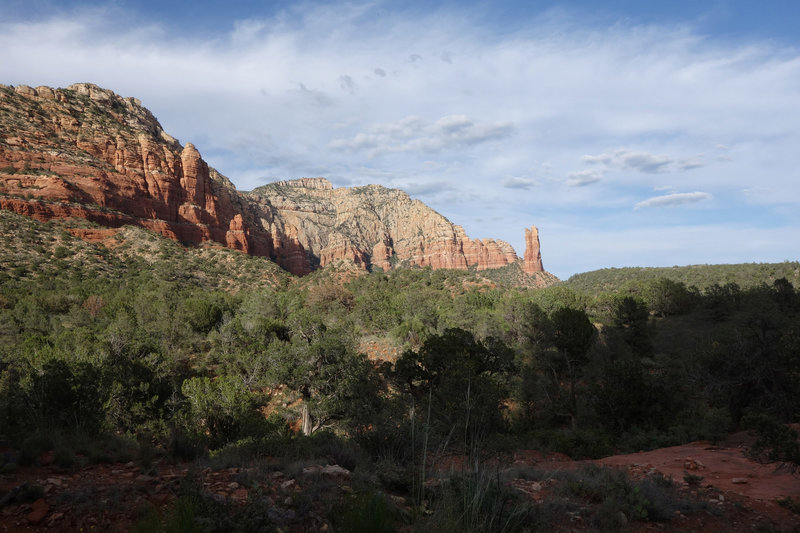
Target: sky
x,y
630,133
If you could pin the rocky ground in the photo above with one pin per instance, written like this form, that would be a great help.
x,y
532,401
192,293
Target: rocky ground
x,y
736,493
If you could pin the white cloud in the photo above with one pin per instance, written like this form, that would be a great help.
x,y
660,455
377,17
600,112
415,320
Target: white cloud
x,y
346,83
428,188
582,178
519,183
691,162
414,134
674,200
644,162
639,161
318,98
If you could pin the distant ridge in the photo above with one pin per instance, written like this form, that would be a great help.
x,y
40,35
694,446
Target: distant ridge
x,y
701,276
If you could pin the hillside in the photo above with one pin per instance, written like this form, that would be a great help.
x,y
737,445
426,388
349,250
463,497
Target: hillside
x,y
745,275
84,152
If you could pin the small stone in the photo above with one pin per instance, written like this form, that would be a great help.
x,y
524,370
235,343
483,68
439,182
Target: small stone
x,y
287,501
39,511
739,480
721,498
288,484
233,485
335,471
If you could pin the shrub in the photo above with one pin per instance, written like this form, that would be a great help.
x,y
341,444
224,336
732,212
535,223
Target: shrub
x,y
367,512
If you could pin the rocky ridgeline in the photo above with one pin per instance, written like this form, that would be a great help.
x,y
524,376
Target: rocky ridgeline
x,y
88,153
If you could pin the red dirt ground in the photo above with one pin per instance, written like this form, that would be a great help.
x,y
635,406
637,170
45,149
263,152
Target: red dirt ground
x,y
741,494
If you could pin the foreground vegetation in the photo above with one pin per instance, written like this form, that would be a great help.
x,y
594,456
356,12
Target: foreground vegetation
x,y
142,347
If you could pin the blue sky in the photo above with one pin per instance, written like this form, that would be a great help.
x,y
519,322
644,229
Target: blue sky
x,y
631,133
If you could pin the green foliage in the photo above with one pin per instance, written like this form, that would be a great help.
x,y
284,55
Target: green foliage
x,y
747,275
221,410
477,502
791,504
620,498
149,348
367,512
776,442
460,380
197,511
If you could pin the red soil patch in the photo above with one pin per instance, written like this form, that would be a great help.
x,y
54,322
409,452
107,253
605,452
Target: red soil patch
x,y
727,469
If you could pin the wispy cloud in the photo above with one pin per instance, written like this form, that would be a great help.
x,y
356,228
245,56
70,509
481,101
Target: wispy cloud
x,y
582,178
428,188
674,200
415,134
625,159
519,183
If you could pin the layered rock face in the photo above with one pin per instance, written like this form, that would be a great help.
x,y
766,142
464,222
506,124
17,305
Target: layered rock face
x,y
372,226
86,152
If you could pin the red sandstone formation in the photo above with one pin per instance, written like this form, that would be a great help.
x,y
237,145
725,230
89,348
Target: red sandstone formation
x,y
373,226
86,152
532,262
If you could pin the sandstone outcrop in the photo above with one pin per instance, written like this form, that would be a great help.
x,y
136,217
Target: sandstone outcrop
x,y
532,261
86,152
371,226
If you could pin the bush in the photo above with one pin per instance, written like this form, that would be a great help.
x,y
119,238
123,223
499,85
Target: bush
x,y
367,512
477,502
775,442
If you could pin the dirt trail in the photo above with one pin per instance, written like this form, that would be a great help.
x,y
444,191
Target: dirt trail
x,y
727,469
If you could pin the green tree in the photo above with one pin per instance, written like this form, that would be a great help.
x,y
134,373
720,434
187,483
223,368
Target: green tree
x,y
666,297
220,410
632,319
335,382
573,336
460,380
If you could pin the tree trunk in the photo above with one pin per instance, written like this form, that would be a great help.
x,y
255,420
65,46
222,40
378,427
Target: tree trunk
x,y
306,421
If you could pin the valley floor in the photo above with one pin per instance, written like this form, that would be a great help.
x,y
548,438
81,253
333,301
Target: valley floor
x,y
729,491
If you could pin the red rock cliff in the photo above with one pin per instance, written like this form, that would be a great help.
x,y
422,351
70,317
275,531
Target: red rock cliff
x,y
86,152
372,226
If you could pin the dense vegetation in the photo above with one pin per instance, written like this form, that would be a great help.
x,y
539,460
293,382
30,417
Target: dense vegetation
x,y
210,353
